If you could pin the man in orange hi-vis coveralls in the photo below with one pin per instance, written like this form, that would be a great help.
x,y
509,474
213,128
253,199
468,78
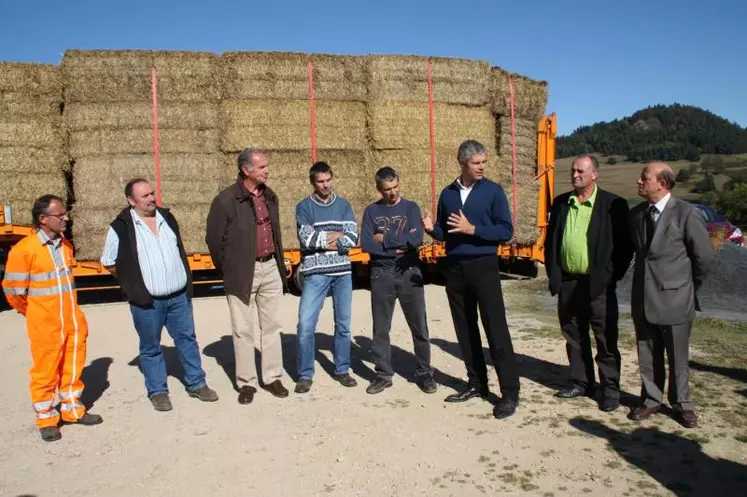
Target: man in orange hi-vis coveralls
x,y
39,284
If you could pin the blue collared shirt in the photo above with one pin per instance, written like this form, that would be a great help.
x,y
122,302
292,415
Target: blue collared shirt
x,y
158,256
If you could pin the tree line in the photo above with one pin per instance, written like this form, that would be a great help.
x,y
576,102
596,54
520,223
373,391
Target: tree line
x,y
670,133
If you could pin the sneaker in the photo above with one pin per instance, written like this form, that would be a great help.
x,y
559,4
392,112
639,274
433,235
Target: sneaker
x,y
345,380
161,402
205,394
427,384
89,419
50,433
378,385
303,385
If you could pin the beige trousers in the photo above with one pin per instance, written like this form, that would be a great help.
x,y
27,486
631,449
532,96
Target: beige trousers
x,y
267,291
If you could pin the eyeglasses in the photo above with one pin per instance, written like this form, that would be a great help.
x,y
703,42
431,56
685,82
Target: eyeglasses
x,y
59,216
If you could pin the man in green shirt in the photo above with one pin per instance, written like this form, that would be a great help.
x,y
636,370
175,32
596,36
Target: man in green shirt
x,y
587,250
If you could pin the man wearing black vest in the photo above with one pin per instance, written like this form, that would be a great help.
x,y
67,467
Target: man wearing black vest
x,y
144,251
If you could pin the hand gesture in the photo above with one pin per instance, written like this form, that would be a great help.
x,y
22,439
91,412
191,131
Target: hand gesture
x,y
379,237
460,224
427,223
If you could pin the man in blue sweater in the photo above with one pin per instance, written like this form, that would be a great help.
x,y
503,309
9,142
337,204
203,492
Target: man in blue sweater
x,y
391,235
473,219
326,231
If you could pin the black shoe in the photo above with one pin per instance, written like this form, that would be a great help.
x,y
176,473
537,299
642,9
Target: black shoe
x,y
246,394
205,394
277,389
574,391
345,380
50,433
303,385
505,408
469,393
161,402
609,404
89,419
427,384
378,385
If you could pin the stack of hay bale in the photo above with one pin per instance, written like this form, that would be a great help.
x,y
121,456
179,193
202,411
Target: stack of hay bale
x,y
109,118
32,153
398,118
267,105
530,99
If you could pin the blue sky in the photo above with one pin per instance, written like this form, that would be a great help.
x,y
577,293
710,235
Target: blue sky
x,y
603,59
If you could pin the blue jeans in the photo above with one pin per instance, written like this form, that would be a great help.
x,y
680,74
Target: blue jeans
x,y
315,288
176,314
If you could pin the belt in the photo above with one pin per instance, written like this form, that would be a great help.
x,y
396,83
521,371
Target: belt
x,y
574,276
266,258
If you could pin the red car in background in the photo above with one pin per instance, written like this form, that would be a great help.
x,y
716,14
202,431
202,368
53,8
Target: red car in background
x,y
716,222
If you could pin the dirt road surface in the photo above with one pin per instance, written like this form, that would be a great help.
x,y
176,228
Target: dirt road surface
x,y
336,441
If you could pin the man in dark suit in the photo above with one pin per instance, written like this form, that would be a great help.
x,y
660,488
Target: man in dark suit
x,y
587,250
672,256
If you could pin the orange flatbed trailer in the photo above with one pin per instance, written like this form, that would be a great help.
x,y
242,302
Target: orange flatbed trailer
x,y
202,264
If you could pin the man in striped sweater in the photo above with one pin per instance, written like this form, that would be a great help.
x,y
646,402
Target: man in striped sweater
x,y
326,231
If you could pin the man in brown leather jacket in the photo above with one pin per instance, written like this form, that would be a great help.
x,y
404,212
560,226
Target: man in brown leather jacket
x,y
243,235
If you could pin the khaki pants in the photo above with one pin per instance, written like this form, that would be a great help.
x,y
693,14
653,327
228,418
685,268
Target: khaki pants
x,y
267,290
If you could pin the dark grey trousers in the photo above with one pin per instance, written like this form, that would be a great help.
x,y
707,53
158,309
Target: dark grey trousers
x,y
577,312
653,342
387,285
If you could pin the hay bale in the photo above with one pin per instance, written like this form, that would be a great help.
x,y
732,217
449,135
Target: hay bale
x,y
140,141
530,96
32,160
283,75
34,80
405,78
138,115
286,125
39,134
99,181
125,76
20,106
405,125
20,191
525,230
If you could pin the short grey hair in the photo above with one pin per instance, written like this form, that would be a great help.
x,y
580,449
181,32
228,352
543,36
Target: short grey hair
x,y
593,159
245,157
467,149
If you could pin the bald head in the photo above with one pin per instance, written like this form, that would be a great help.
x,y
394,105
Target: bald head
x,y
656,181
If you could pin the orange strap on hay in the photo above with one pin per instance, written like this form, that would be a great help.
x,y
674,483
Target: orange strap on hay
x,y
513,158
432,130
312,111
156,141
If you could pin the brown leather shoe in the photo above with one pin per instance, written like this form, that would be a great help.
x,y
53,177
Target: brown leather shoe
x,y
277,389
642,412
688,419
246,394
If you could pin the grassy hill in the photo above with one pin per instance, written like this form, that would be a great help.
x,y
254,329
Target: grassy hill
x,y
620,178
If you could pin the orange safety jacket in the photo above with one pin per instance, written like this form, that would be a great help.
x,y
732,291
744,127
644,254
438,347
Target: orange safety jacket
x,y
39,284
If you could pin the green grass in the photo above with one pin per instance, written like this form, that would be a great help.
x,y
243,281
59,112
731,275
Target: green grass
x,y
725,341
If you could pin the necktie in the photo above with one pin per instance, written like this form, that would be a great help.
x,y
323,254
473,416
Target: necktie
x,y
650,224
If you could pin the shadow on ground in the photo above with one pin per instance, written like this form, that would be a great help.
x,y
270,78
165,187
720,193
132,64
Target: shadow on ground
x,y
676,462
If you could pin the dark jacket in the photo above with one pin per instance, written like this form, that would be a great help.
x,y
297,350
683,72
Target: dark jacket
x,y
128,268
232,237
609,241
